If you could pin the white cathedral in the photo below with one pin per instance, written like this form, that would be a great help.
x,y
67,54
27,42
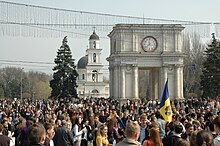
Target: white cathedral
x,y
90,69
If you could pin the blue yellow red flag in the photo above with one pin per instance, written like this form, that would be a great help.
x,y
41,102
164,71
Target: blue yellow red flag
x,y
165,106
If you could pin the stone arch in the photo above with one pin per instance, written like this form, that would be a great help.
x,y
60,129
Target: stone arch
x,y
155,48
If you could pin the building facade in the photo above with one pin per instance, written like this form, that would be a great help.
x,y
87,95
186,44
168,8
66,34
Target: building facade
x,y
156,48
90,69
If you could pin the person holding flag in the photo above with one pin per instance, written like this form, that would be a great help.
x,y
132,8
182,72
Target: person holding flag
x,y
165,106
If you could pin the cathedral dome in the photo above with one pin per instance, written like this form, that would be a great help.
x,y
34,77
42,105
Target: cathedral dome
x,y
94,36
82,63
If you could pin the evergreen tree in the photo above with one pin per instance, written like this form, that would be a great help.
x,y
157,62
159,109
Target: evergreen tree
x,y
210,80
63,83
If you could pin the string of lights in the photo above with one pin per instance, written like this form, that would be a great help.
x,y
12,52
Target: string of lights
x,y
64,20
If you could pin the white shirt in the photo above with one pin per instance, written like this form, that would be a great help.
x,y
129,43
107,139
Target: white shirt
x,y
78,134
142,135
217,141
51,143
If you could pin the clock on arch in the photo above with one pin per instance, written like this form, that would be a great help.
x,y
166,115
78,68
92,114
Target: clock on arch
x,y
149,44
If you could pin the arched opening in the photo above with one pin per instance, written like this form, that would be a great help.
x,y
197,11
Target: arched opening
x,y
95,91
94,75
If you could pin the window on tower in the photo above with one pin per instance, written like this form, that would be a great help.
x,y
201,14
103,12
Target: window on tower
x,y
83,76
94,57
94,45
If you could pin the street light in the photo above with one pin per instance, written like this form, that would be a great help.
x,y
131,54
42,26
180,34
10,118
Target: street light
x,y
21,83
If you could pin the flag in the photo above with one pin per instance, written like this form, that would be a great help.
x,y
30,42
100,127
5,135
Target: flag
x,y
165,106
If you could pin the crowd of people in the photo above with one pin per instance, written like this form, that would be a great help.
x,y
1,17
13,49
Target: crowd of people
x,y
105,122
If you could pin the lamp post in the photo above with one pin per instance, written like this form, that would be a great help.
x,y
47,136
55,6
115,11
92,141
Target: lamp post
x,y
21,84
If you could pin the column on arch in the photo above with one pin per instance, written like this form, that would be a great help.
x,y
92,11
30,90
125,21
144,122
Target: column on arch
x,y
135,77
179,81
111,82
115,86
122,81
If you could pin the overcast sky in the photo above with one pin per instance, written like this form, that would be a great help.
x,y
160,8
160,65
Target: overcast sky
x,y
44,49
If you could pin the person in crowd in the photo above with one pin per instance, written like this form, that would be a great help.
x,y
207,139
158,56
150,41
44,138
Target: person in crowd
x,y
143,126
102,136
24,133
154,136
78,130
211,129
189,129
4,140
87,136
103,117
171,140
132,133
95,126
17,134
192,139
170,128
125,117
204,138
112,130
162,124
200,118
58,123
49,127
6,130
63,136
216,123
36,135
182,142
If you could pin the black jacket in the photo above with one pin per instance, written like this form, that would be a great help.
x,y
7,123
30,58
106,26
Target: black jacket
x,y
35,144
63,137
170,140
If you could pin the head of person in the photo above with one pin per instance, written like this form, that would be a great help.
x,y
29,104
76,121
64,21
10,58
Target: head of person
x,y
154,134
143,120
182,142
103,130
64,123
189,128
192,139
204,138
58,122
132,130
178,128
21,122
36,134
216,123
1,128
50,132
96,118
171,126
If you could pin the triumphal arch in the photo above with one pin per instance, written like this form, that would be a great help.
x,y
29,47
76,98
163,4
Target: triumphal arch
x,y
155,48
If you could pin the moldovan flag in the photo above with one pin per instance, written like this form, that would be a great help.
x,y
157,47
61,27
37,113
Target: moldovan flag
x,y
165,106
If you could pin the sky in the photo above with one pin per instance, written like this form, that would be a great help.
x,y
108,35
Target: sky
x,y
33,49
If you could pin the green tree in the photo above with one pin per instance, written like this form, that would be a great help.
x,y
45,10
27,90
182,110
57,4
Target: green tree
x,y
11,79
63,83
42,89
210,79
1,91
